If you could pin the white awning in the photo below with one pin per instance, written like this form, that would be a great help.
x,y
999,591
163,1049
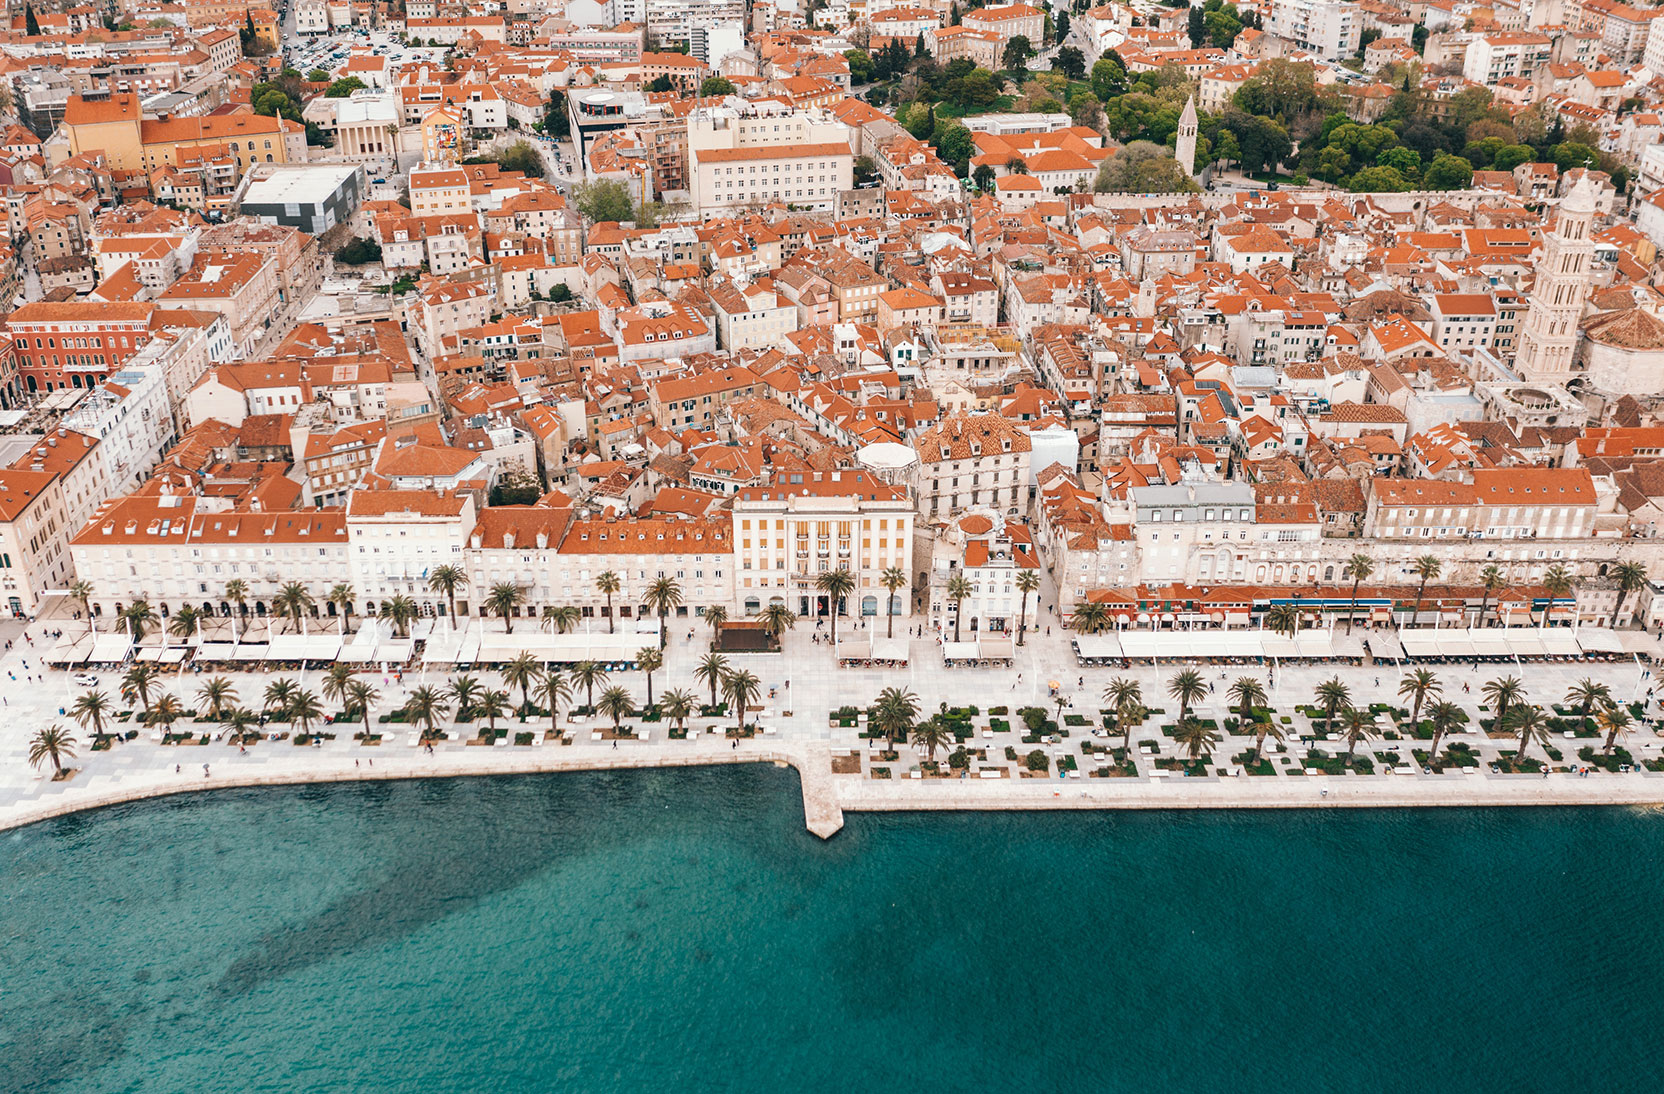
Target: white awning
x,y
148,653
1138,644
286,647
1453,643
251,651
1098,645
1599,640
395,650
996,648
1279,646
1490,643
1315,644
1559,642
70,650
1243,644
215,651
110,649
1419,642
959,651
889,649
1639,642
173,655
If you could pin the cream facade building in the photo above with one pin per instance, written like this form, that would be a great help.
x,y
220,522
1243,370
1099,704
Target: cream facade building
x,y
802,525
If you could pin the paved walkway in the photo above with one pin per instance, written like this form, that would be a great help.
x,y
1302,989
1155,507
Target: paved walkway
x,y
807,685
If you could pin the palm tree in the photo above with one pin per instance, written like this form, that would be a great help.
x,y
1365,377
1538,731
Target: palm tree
x,y
715,617
361,696
446,580
82,591
836,584
342,596
424,708
1502,694
239,720
649,660
1358,568
777,619
92,707
932,734
677,706
1247,693
522,673
165,711
565,618
1615,720
1090,618
895,713
553,690
504,598
1426,567
305,710
740,688
1558,581
1492,578
218,693
1269,727
1195,737
1419,685
279,694
1445,716
608,584
52,743
490,706
463,691
712,668
336,679
586,674
1188,689
184,625
1332,695
236,591
402,611
138,681
1283,619
615,704
139,616
959,590
1028,581
1124,695
895,578
661,596
1631,576
1532,724
1356,725
293,600
1586,694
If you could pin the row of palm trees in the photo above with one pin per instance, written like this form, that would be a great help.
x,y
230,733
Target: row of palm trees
x,y
294,601
427,706
1285,619
1421,687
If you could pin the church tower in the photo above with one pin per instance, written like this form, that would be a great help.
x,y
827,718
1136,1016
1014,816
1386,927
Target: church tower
x,y
1185,150
1548,341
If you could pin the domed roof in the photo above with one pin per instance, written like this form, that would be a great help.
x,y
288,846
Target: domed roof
x,y
1632,329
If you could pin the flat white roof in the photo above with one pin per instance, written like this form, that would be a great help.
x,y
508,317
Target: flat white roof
x,y
308,184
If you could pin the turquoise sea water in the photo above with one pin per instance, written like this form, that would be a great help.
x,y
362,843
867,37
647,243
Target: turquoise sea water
x,y
680,931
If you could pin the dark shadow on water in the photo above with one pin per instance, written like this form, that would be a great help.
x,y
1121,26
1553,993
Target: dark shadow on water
x,y
498,832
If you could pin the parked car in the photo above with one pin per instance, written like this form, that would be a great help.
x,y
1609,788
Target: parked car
x,y
84,680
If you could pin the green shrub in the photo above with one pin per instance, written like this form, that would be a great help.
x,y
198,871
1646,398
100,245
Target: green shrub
x,y
1037,761
959,759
